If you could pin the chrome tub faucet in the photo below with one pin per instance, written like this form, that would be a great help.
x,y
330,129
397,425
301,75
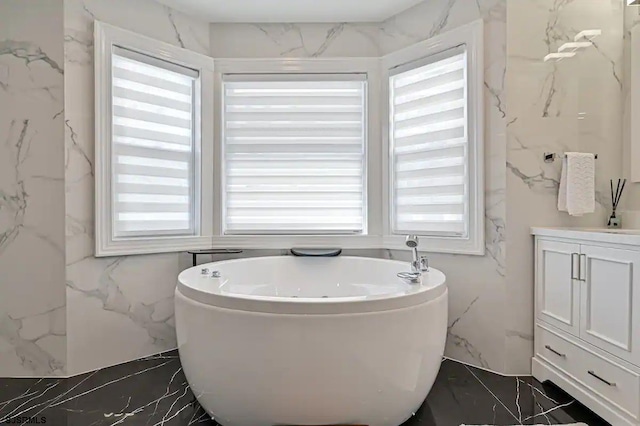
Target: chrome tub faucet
x,y
419,263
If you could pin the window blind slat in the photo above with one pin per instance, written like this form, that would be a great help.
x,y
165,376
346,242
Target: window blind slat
x,y
292,133
430,119
445,157
294,116
132,188
411,193
169,87
134,130
289,203
430,148
294,153
293,181
334,103
425,129
435,69
430,87
170,152
139,170
131,227
151,117
270,143
153,207
148,96
310,158
152,147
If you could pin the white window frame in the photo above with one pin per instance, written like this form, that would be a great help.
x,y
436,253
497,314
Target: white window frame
x,y
373,150
107,36
209,154
471,35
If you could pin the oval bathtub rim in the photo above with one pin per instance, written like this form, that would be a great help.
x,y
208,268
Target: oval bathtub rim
x,y
302,311
312,306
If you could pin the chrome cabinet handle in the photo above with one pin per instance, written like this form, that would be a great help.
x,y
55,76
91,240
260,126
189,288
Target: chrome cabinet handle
x,y
580,269
573,266
601,379
554,351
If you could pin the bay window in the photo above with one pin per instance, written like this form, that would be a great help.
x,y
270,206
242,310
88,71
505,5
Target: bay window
x,y
345,152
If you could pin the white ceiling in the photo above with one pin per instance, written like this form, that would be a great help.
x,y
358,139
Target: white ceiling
x,y
264,11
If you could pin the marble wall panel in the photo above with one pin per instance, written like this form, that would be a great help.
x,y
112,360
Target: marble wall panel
x,y
32,301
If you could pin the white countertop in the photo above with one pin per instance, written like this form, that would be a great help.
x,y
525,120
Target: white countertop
x,y
605,235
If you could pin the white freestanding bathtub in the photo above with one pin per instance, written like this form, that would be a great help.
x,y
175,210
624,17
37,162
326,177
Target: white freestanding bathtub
x,y
310,341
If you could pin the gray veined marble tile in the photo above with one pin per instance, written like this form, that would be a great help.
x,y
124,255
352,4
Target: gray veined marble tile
x,y
32,326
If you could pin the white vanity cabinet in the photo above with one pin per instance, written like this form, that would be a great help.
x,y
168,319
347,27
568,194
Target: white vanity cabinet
x,y
558,290
587,331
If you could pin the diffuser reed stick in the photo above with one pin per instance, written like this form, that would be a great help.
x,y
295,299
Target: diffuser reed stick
x,y
614,221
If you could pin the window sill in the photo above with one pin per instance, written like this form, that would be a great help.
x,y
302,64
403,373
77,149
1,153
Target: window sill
x,y
278,242
138,246
393,242
289,241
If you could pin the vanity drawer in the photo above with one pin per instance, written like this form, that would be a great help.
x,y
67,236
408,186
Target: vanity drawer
x,y
555,350
616,384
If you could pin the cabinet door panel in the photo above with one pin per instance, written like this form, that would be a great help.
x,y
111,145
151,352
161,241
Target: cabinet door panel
x,y
607,299
557,293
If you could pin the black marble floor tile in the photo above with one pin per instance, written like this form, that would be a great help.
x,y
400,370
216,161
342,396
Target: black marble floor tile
x,y
532,402
154,392
22,399
456,398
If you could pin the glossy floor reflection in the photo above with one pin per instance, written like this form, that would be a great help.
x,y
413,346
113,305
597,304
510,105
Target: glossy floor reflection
x,y
153,392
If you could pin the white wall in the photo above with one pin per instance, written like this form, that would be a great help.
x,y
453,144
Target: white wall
x,y
32,312
294,40
118,308
544,103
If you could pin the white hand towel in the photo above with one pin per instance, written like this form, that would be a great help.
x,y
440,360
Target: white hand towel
x,y
577,194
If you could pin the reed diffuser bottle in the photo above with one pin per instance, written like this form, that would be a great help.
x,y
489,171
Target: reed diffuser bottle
x,y
614,221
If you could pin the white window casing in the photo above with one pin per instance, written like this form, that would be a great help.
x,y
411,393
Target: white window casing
x,y
434,139
153,149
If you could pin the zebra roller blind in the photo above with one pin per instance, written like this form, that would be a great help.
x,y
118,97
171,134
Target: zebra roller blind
x,y
153,146
429,146
294,151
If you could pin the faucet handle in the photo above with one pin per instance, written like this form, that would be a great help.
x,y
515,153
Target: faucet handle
x,y
424,264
